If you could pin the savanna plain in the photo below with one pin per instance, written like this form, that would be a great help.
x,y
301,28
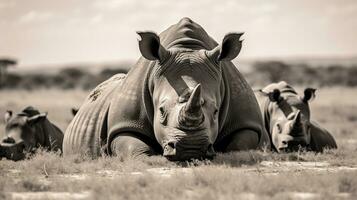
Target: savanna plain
x,y
240,175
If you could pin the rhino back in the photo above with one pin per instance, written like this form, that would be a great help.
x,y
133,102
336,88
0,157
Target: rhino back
x,y
187,33
87,132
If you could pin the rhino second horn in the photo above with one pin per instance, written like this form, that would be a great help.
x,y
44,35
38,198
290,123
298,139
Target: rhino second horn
x,y
297,119
194,102
297,125
191,114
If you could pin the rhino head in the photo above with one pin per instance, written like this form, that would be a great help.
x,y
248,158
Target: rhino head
x,y
290,121
187,92
20,134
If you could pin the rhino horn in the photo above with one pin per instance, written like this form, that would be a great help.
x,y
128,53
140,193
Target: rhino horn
x,y
191,114
297,125
194,102
297,118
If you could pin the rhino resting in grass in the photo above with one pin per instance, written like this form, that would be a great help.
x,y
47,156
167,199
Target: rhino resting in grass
x,y
183,99
287,119
26,131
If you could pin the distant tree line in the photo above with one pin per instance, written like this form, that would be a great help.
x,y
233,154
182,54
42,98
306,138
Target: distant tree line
x,y
262,73
302,74
68,78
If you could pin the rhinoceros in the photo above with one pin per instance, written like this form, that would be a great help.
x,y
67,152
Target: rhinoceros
x,y
26,131
287,119
183,99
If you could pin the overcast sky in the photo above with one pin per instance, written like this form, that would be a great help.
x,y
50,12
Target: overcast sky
x,y
41,32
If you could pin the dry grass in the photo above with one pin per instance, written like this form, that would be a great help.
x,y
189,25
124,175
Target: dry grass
x,y
222,177
208,180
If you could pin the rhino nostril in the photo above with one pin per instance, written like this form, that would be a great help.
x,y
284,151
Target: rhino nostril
x,y
170,149
172,144
9,140
282,149
284,142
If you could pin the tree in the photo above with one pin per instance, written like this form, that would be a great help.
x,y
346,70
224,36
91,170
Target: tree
x,y
4,64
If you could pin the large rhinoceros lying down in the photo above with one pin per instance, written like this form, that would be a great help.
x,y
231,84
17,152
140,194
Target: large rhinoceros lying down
x,y
26,131
287,119
183,99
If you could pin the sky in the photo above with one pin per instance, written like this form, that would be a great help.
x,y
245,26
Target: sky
x,y
40,32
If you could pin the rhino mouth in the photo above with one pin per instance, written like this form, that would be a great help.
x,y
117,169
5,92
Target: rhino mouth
x,y
190,130
293,146
187,146
181,153
12,151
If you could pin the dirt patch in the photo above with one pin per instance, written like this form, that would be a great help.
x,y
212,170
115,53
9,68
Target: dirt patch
x,y
201,176
190,194
49,195
265,168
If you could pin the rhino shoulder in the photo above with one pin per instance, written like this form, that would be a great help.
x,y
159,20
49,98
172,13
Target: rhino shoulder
x,y
87,132
105,86
54,136
321,138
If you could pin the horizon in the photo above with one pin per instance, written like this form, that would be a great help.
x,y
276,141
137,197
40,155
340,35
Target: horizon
x,y
40,32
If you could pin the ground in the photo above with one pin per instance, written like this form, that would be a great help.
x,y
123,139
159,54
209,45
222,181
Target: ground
x,y
242,175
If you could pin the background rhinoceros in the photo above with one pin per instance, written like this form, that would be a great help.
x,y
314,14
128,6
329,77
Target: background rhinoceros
x,y
183,99
26,131
287,119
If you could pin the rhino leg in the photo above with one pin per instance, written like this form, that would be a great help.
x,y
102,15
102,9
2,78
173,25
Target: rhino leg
x,y
243,140
129,145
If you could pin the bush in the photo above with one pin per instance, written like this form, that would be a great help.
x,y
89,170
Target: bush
x,y
72,73
12,81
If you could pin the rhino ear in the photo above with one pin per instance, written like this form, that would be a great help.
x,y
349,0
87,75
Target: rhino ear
x,y
36,118
275,95
74,111
229,49
309,95
8,116
150,46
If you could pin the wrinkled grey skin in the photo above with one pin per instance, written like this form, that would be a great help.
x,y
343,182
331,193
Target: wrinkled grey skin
x,y
26,131
186,121
182,99
287,119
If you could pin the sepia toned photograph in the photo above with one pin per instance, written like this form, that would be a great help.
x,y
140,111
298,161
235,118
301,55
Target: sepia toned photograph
x,y
189,99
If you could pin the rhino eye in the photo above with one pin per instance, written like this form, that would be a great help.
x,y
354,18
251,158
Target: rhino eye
x,y
163,115
215,113
279,128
